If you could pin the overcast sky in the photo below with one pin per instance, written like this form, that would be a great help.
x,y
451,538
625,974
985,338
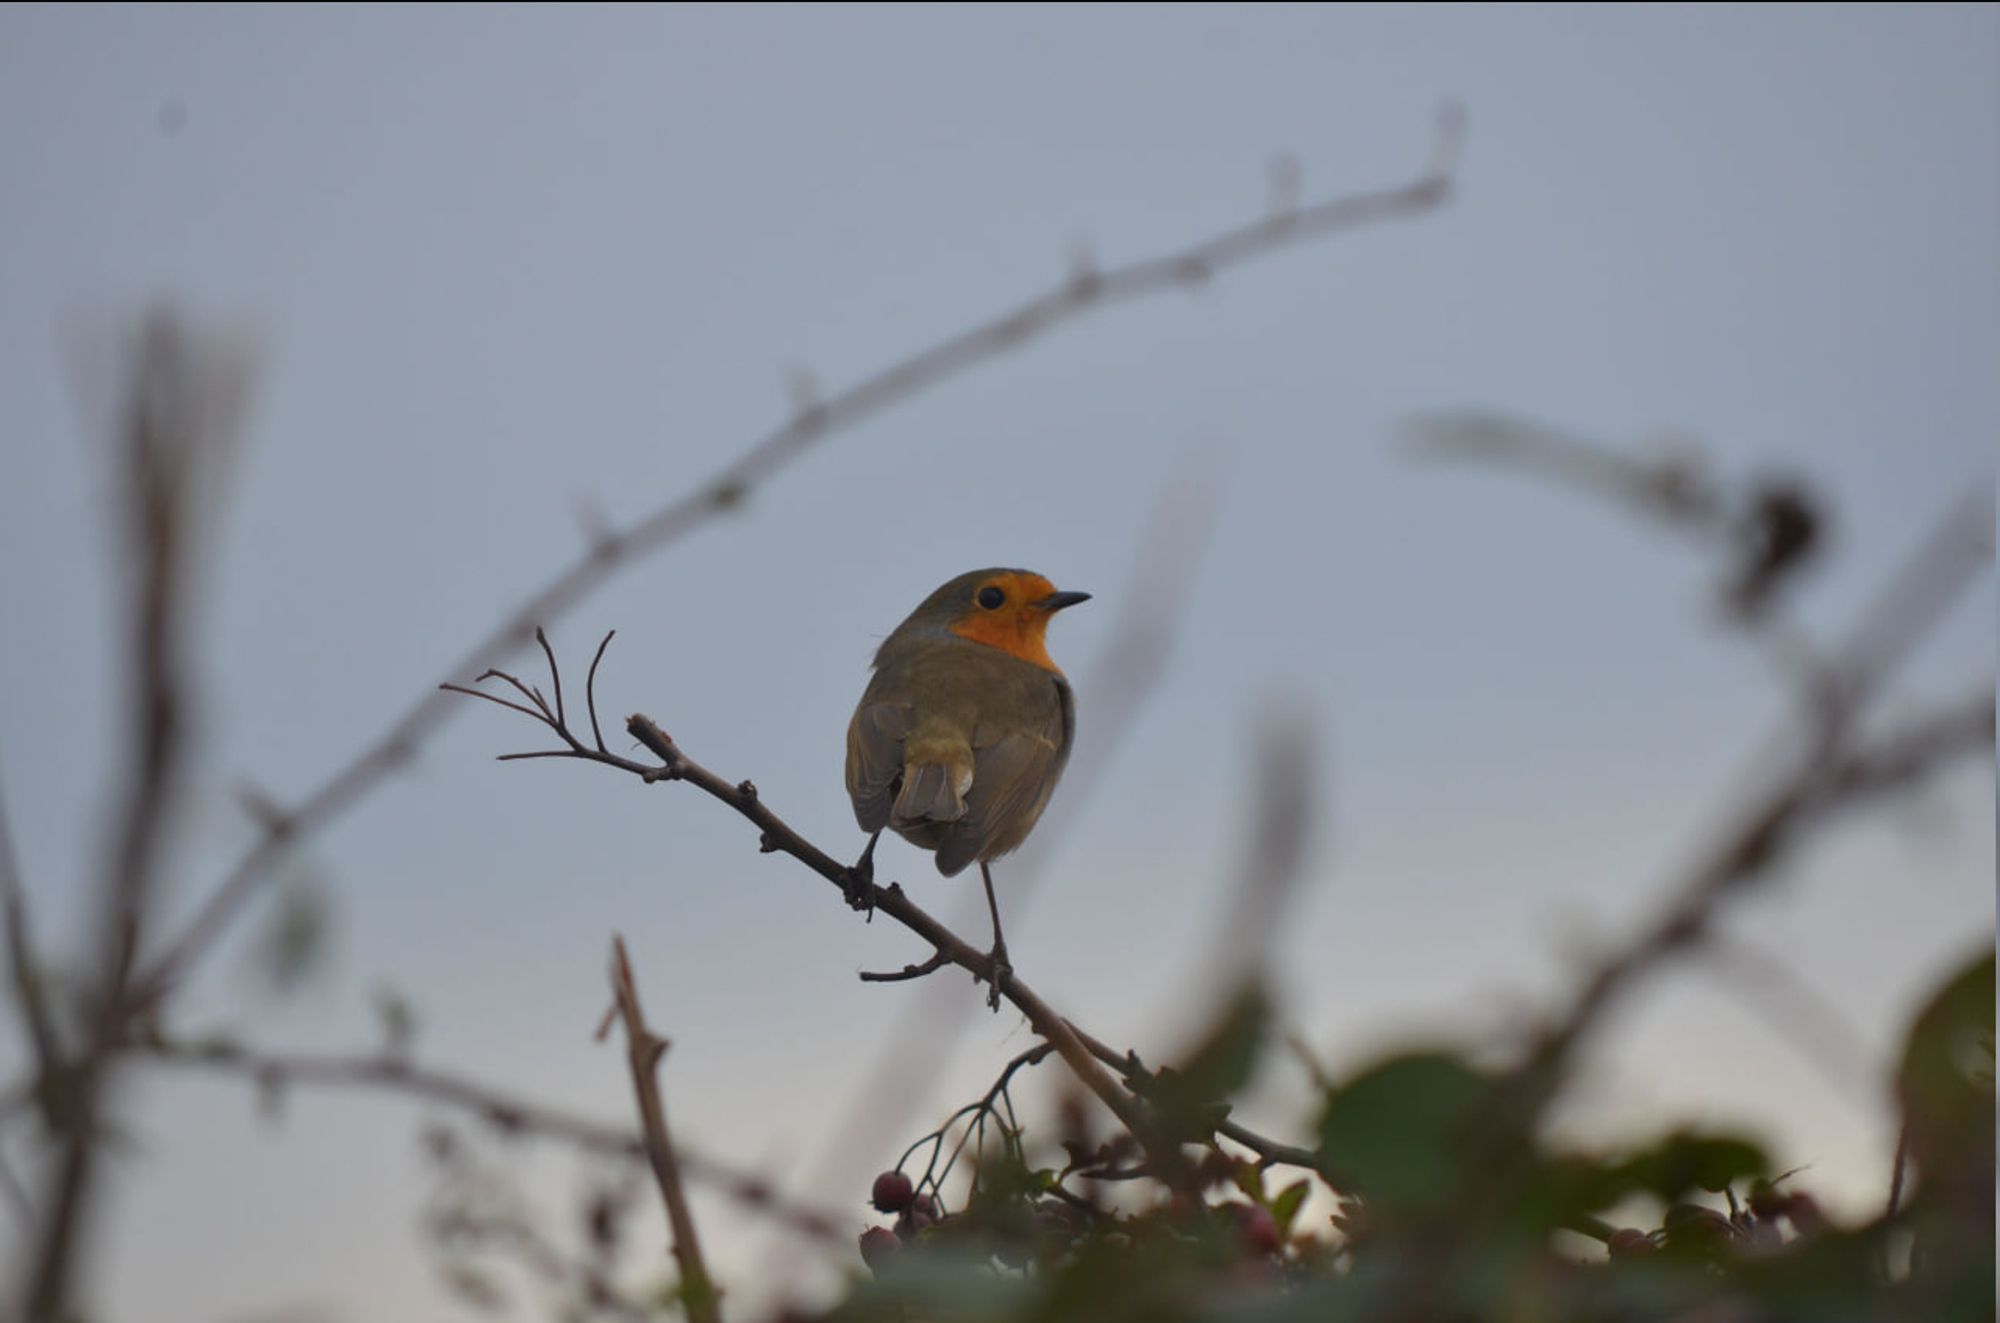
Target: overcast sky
x,y
505,265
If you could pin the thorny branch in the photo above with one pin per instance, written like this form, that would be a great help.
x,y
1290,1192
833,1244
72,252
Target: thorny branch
x,y
1085,1056
1083,290
645,1048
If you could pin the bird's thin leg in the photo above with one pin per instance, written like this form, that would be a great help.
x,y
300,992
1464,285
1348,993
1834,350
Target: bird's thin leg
x,y
861,875
1001,968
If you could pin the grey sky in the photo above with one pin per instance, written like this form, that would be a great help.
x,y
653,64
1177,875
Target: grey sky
x,y
507,264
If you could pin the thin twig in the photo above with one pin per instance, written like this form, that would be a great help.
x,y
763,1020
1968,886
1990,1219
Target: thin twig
x,y
555,674
611,550
30,994
644,1049
590,688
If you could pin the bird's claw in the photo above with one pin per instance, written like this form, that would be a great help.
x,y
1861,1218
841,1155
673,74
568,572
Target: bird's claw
x,y
1000,971
859,885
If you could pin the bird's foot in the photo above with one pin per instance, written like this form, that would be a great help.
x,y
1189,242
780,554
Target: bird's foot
x,y
859,883
1000,971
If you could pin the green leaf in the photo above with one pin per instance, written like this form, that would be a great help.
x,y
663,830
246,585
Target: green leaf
x,y
1685,1161
1223,1060
1946,1080
1394,1134
1285,1208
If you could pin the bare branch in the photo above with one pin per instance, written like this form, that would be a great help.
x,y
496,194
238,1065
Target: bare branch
x,y
590,688
644,1048
779,836
1081,292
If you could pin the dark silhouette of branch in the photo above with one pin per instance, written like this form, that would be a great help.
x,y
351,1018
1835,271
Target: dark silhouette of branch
x,y
393,1073
645,1048
777,836
609,550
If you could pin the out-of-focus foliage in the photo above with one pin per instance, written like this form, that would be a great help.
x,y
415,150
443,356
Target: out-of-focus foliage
x,y
1441,1213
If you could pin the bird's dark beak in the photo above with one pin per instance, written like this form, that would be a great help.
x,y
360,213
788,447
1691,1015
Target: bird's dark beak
x,y
1055,602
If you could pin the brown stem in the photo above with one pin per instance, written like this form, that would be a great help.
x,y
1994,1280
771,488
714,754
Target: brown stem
x,y
644,1049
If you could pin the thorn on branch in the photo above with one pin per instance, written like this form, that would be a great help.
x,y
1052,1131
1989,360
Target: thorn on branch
x,y
907,972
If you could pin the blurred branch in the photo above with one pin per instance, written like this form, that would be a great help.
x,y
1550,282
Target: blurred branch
x,y
1770,530
183,398
1826,777
1674,489
393,1073
30,994
1800,1016
645,1048
1082,291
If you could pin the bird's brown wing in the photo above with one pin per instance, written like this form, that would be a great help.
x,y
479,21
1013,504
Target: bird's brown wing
x,y
875,760
1012,779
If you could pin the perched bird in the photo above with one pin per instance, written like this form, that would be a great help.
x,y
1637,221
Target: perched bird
x,y
964,729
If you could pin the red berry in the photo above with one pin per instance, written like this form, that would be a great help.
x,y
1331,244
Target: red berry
x,y
1259,1231
892,1192
878,1246
1805,1213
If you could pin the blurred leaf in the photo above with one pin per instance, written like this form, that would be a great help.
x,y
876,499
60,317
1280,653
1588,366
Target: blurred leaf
x,y
1946,1088
1393,1135
1683,1162
1285,1208
1223,1061
1946,1079
293,944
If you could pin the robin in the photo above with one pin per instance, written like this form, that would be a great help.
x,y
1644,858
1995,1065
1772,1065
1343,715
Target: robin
x,y
965,727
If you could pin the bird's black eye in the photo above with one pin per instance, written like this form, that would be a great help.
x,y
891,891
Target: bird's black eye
x,y
991,598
